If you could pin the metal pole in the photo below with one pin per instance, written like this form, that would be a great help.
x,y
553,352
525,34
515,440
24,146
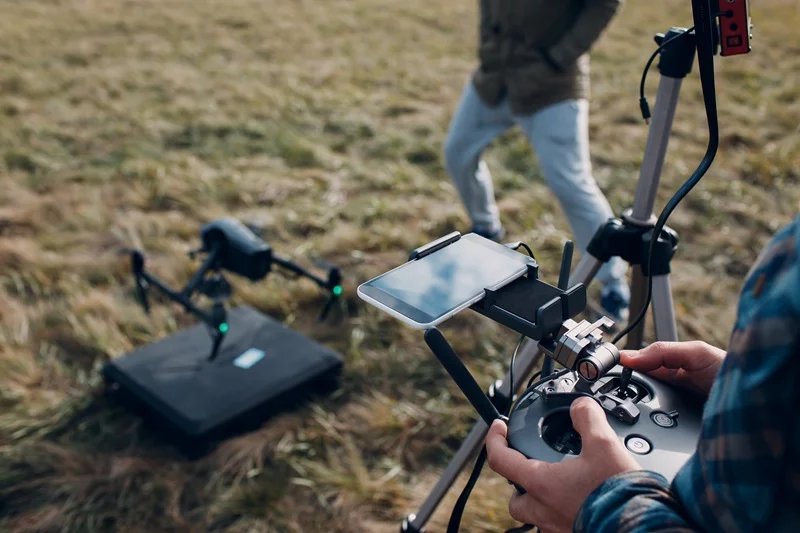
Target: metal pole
x,y
656,150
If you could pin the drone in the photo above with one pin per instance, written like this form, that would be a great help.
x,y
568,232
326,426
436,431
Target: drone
x,y
227,244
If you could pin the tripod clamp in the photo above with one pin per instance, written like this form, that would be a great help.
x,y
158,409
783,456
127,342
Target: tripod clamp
x,y
676,60
629,239
227,245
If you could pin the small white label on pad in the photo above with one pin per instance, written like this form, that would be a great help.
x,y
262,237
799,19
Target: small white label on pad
x,y
249,358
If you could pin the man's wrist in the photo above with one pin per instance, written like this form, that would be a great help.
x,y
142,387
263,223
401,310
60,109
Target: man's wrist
x,y
613,492
641,476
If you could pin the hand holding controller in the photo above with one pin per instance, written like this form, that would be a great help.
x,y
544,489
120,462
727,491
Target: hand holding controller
x,y
553,506
692,365
584,435
655,423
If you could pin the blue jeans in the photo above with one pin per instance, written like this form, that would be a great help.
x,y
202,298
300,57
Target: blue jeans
x,y
559,135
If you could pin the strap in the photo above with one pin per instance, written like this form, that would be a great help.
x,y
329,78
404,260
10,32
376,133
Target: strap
x,y
461,503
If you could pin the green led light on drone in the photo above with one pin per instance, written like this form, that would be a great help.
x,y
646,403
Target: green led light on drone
x,y
337,290
223,328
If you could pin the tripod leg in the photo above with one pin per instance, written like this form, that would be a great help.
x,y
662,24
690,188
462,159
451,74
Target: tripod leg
x,y
655,152
663,314
661,305
526,360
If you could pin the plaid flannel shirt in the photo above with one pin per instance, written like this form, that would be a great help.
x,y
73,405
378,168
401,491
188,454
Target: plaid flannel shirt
x,y
745,474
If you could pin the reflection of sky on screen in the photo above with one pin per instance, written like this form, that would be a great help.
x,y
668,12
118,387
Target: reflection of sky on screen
x,y
442,281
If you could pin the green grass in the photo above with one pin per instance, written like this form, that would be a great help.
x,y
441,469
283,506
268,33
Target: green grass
x,y
133,123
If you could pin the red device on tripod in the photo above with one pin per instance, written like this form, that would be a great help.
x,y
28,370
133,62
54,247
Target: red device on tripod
x,y
735,27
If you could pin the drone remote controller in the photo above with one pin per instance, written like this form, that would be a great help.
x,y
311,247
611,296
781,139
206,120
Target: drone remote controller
x,y
661,437
658,425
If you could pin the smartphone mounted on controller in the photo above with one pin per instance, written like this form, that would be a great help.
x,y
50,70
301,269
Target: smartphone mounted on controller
x,y
443,278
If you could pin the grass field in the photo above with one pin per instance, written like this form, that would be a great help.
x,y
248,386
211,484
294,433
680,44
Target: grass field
x,y
133,122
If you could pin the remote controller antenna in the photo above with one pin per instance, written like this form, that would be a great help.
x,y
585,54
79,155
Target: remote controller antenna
x,y
566,266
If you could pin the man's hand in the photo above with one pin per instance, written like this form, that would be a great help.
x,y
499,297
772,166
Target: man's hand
x,y
693,365
555,492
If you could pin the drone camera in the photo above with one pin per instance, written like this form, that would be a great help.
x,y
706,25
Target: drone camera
x,y
240,250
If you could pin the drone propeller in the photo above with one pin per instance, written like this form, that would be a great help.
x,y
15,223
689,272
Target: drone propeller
x,y
323,264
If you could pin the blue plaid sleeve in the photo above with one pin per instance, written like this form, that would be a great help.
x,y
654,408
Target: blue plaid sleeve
x,y
745,474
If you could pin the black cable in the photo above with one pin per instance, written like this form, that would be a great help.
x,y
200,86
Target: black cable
x,y
511,376
466,492
527,248
705,58
643,105
461,503
533,377
519,244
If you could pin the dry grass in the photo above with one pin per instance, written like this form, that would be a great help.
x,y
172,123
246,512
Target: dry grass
x,y
134,122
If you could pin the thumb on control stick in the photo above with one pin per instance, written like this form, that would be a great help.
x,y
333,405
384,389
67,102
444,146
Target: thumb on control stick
x,y
589,420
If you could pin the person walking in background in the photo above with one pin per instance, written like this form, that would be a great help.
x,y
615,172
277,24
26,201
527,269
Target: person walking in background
x,y
534,73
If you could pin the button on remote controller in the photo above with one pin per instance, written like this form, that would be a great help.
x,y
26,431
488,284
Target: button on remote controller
x,y
665,420
638,445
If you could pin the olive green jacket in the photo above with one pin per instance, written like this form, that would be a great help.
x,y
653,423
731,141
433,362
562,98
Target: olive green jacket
x,y
536,52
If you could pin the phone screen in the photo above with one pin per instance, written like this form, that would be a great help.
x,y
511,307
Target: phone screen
x,y
426,289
